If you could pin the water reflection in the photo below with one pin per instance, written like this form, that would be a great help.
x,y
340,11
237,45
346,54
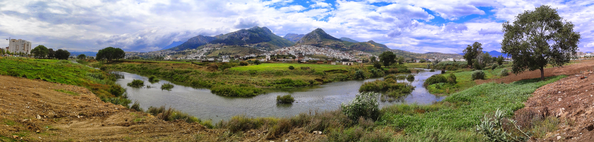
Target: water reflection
x,y
205,105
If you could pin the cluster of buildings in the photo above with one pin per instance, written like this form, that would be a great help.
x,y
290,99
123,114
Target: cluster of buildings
x,y
18,46
312,50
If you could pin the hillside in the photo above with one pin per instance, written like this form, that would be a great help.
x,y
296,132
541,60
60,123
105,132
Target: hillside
x,y
253,35
348,39
320,38
293,37
194,42
369,47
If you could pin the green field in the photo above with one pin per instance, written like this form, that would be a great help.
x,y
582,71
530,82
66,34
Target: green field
x,y
285,66
416,65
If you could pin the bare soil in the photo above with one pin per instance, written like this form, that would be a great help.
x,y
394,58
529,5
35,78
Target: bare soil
x,y
581,66
571,100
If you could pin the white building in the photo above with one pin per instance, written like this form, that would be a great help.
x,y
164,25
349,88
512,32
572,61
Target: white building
x,y
19,46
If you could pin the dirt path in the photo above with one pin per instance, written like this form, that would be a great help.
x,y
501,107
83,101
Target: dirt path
x,y
34,110
576,68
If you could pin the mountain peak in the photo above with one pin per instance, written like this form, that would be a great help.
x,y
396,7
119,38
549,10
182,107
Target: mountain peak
x,y
316,37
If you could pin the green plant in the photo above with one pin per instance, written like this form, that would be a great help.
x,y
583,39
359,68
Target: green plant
x,y
452,79
136,106
286,99
478,74
494,66
243,63
504,72
364,105
153,79
492,128
136,83
359,74
438,78
291,67
377,65
410,77
257,62
167,86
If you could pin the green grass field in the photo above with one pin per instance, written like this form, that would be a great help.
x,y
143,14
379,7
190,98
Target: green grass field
x,y
416,65
285,66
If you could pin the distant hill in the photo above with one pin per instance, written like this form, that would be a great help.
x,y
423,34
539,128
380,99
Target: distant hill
x,y
320,38
257,37
253,35
173,44
348,39
369,47
293,37
193,43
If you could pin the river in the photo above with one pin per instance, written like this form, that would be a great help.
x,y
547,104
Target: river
x,y
205,105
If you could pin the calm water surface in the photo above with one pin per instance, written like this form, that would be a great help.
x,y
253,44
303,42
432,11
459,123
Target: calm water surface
x,y
205,105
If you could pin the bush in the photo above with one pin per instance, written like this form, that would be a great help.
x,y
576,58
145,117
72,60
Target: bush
x,y
286,99
153,79
167,86
478,74
432,70
257,62
410,77
438,78
243,63
494,67
173,115
452,79
393,77
136,106
364,105
359,74
116,90
136,83
504,72
291,67
377,65
477,65
235,91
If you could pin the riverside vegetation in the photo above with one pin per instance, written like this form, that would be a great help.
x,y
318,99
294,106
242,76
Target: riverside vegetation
x,y
231,79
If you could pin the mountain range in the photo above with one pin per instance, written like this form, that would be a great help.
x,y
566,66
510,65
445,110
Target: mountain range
x,y
293,37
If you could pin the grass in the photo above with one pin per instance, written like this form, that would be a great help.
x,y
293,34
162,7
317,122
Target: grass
x,y
67,92
456,117
463,79
167,86
100,83
416,65
285,67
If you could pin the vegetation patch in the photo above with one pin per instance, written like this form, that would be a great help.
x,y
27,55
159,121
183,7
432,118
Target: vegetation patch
x,y
286,99
167,86
136,83
235,91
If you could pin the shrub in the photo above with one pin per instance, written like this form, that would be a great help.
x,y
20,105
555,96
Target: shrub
x,y
478,74
116,90
377,65
504,72
173,115
492,127
257,62
304,68
243,63
167,86
410,77
393,77
136,83
359,74
494,67
438,78
235,91
286,99
364,105
452,79
136,106
153,79
432,70
477,65
291,67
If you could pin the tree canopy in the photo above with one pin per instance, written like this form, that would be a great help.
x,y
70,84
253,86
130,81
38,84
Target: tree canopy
x,y
472,52
62,54
81,56
110,53
51,53
387,58
537,38
40,51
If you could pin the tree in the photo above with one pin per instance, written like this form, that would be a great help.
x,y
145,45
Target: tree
x,y
62,54
40,51
422,61
499,60
486,58
81,56
377,65
472,52
401,60
387,58
51,53
110,53
537,38
257,62
372,59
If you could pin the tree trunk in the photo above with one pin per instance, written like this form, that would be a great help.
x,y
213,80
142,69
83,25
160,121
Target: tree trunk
x,y
541,73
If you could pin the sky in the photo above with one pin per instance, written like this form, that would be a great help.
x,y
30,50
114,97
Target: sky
x,y
148,25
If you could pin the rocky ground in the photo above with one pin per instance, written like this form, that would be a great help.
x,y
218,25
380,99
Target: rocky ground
x,y
571,100
575,68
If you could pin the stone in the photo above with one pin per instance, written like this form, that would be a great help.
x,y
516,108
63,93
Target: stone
x,y
558,137
15,136
38,117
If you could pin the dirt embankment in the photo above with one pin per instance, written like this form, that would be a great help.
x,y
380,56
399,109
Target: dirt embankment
x,y
34,110
571,100
576,68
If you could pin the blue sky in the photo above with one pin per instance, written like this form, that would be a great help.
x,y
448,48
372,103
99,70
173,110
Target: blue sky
x,y
148,25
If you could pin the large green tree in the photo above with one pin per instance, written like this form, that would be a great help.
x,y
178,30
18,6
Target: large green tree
x,y
472,52
40,51
537,38
51,53
387,58
62,54
110,53
81,56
